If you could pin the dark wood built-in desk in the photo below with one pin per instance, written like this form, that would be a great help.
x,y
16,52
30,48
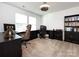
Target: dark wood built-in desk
x,y
10,47
53,34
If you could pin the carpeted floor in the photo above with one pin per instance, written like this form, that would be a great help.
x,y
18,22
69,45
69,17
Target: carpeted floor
x,y
50,48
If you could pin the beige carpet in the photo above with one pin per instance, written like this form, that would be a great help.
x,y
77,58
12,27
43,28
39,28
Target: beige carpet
x,y
50,48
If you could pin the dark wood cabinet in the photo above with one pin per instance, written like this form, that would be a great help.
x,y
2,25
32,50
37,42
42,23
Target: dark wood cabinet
x,y
59,34
55,34
72,37
34,34
10,48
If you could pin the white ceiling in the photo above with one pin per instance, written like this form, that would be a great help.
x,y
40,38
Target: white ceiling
x,y
35,6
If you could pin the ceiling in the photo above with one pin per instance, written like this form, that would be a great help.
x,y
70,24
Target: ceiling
x,y
34,7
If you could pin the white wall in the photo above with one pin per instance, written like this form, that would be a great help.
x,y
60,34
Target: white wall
x,y
56,19
7,15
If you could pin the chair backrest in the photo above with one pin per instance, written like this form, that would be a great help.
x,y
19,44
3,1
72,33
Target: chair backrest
x,y
42,30
42,27
8,25
27,34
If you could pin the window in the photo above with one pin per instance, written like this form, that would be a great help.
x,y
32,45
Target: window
x,y
32,21
21,22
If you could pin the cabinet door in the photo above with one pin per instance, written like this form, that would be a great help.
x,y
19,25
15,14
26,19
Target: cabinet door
x,y
50,33
12,48
1,49
75,38
33,34
68,36
72,37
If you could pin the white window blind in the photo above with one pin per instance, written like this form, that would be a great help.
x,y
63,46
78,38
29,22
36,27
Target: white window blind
x,y
32,21
21,22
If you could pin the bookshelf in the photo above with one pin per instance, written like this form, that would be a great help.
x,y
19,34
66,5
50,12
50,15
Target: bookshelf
x,y
71,28
72,23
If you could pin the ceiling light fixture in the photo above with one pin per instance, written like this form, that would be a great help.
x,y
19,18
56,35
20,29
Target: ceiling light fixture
x,y
44,7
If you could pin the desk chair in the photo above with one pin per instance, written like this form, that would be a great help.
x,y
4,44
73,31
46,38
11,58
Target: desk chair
x,y
27,34
42,31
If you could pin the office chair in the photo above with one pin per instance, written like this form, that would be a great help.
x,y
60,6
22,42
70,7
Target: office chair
x,y
27,34
42,31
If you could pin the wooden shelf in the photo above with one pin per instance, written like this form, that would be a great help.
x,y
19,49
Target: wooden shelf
x,y
72,26
71,31
72,21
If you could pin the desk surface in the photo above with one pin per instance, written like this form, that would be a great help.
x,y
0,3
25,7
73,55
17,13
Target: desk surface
x,y
2,39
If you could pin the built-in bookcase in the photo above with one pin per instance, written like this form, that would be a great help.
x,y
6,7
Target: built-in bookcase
x,y
71,28
72,23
